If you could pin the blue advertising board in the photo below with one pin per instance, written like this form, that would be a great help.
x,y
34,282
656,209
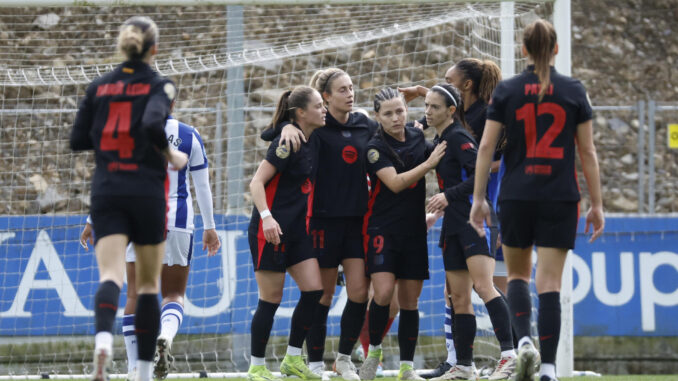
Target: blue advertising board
x,y
625,283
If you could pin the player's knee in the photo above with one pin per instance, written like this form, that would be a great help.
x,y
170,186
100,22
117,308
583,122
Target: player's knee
x,y
486,291
358,293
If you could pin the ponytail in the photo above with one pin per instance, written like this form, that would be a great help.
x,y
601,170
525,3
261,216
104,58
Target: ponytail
x,y
289,102
282,111
540,39
484,74
136,37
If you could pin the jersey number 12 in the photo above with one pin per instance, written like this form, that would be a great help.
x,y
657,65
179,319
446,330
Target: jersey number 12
x,y
119,115
542,148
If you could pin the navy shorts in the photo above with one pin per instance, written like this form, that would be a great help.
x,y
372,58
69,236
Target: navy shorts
x,y
406,256
336,239
142,219
267,256
458,247
541,223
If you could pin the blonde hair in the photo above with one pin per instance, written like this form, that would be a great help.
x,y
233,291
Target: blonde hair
x,y
137,35
540,39
322,79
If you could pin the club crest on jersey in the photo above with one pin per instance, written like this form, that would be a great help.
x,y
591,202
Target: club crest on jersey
x,y
346,134
170,91
282,152
349,154
372,155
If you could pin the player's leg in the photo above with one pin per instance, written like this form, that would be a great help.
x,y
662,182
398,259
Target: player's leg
x,y
384,285
174,277
270,285
111,263
147,314
307,276
315,340
408,328
128,331
448,328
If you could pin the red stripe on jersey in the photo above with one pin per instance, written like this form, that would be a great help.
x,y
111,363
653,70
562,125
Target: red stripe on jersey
x,y
271,189
309,208
167,206
366,221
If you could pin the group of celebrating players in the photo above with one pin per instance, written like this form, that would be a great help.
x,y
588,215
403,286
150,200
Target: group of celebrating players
x,y
337,187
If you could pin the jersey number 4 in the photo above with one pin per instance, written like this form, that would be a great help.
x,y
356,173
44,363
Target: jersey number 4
x,y
542,148
119,116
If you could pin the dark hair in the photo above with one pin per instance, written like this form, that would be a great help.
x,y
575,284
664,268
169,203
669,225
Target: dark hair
x,y
386,94
137,35
322,79
290,100
456,101
484,74
540,39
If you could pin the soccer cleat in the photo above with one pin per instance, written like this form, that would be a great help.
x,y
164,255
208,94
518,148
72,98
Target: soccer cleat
x,y
319,370
295,366
407,373
459,372
163,359
132,375
547,378
526,363
438,371
380,371
344,367
102,360
504,369
369,369
260,373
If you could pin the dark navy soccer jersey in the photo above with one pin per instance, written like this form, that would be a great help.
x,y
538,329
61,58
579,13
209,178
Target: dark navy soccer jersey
x,y
455,174
288,192
540,147
402,212
122,117
341,181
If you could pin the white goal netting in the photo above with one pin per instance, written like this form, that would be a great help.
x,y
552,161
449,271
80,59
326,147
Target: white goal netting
x,y
230,64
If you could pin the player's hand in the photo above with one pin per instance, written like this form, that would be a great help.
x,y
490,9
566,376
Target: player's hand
x,y
177,160
411,92
596,218
437,203
210,241
436,155
87,236
418,125
272,231
291,135
480,214
431,219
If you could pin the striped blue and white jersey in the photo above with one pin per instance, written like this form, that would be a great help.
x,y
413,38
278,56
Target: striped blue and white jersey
x,y
180,213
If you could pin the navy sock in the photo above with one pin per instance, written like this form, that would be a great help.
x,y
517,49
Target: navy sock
x,y
465,335
315,340
106,306
408,332
351,322
499,316
147,325
548,323
262,322
377,322
302,318
520,306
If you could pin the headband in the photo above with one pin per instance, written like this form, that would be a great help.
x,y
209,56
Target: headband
x,y
436,87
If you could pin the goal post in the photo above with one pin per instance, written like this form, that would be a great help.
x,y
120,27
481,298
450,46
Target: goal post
x,y
230,60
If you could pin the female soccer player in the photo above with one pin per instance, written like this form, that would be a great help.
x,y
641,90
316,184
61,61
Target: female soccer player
x,y
544,114
339,204
468,259
278,234
122,117
178,247
395,228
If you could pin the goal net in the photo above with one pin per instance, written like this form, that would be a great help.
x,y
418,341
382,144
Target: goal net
x,y
230,64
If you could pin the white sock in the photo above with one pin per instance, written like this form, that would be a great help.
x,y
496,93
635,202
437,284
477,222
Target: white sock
x,y
170,320
524,340
144,370
465,367
410,363
130,342
509,353
255,361
547,370
293,351
104,340
449,340
316,364
373,348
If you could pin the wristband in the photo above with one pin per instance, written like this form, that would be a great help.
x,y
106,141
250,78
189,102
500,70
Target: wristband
x,y
265,213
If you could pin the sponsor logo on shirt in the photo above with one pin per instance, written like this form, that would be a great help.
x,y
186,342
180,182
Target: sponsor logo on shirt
x,y
349,154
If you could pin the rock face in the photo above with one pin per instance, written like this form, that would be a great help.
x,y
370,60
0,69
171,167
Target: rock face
x,y
622,50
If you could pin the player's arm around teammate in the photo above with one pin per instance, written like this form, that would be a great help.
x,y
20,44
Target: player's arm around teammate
x,y
543,113
395,227
278,236
468,260
122,117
